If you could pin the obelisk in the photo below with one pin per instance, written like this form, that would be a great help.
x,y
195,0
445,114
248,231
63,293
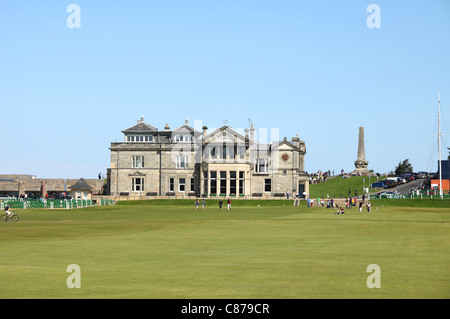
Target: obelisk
x,y
361,163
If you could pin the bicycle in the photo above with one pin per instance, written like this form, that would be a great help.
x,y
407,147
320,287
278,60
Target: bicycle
x,y
13,217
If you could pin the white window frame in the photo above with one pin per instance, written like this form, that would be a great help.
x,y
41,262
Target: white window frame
x,y
262,165
137,187
182,182
182,159
183,138
137,159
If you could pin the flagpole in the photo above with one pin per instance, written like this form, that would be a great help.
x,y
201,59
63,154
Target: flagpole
x,y
439,145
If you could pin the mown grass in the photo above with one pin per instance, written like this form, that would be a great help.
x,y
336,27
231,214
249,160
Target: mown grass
x,y
156,251
211,202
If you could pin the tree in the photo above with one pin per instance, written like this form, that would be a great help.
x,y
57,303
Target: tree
x,y
403,167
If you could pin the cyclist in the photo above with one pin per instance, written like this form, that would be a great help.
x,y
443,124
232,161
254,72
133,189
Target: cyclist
x,y
8,211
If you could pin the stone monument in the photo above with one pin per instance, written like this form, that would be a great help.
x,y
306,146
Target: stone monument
x,y
361,163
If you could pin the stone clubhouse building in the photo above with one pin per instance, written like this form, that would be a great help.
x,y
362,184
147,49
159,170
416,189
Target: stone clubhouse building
x,y
188,163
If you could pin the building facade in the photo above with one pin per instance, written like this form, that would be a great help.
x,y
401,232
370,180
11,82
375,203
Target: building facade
x,y
194,162
30,186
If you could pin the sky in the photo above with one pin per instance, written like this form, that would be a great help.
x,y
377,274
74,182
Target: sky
x,y
316,69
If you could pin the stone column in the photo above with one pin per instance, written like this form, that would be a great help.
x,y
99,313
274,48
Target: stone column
x,y
361,163
202,181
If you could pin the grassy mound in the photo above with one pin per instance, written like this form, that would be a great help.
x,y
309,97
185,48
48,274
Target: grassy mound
x,y
338,187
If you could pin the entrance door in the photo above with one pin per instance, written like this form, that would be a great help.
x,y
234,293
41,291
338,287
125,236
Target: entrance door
x,y
301,190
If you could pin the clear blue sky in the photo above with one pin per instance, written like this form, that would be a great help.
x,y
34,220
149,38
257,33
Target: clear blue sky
x,y
311,68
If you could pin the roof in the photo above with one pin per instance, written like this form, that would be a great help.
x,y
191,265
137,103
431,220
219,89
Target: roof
x,y
141,127
81,184
187,128
226,129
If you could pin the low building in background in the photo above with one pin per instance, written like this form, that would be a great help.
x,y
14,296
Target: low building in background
x,y
30,186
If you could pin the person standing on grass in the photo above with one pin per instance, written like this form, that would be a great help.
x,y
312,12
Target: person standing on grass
x,y
196,204
229,203
220,203
369,205
203,204
360,206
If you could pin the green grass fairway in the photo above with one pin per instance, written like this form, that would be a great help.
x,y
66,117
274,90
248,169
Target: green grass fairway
x,y
286,252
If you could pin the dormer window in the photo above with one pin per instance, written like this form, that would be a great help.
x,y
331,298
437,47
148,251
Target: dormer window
x,y
183,138
139,138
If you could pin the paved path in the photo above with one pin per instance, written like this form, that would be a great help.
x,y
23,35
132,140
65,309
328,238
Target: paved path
x,y
404,189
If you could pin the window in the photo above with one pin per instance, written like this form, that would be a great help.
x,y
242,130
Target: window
x,y
213,152
137,184
267,185
241,182
241,152
223,182
181,184
183,138
171,185
213,186
182,162
137,162
262,165
233,182
139,138
192,185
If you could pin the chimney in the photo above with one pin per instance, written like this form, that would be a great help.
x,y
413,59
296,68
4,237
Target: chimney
x,y
252,133
246,133
205,131
186,121
296,141
142,119
167,128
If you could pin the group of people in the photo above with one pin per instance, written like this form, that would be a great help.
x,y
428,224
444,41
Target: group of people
x,y
319,177
341,210
349,203
197,203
